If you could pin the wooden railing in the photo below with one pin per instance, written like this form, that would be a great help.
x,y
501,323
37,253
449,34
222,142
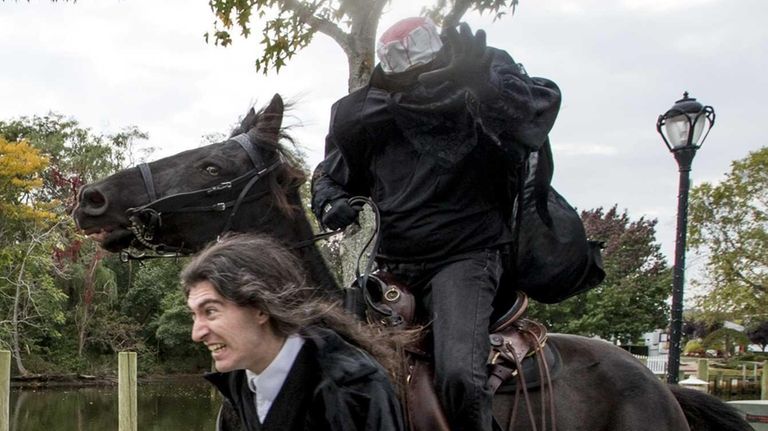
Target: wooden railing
x,y
126,391
724,383
657,364
5,389
126,387
127,384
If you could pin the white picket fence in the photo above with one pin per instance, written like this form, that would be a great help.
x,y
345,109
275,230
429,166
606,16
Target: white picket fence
x,y
657,364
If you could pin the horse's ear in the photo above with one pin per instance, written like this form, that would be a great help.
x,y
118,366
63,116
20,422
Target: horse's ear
x,y
246,124
274,111
276,106
271,118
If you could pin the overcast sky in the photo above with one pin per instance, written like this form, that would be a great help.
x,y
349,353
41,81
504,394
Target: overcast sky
x,y
619,63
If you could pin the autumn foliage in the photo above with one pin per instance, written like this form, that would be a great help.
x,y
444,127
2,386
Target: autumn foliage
x,y
21,166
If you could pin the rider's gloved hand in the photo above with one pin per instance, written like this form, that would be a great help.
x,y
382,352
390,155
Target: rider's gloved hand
x,y
339,214
469,66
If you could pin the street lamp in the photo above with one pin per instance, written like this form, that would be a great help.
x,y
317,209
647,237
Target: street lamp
x,y
682,128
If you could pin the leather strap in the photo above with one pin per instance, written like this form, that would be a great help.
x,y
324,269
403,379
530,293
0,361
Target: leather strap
x,y
499,374
425,413
245,142
512,315
146,176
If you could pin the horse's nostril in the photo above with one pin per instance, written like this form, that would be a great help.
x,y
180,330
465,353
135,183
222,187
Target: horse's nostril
x,y
93,202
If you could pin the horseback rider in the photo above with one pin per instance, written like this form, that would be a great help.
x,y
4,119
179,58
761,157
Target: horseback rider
x,y
437,139
286,360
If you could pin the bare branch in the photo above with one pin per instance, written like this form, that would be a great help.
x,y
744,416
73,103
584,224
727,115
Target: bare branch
x,y
374,15
317,23
458,10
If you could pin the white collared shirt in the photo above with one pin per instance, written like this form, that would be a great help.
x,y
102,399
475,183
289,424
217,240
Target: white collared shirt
x,y
268,383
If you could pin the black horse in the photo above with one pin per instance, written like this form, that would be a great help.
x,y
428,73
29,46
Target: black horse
x,y
180,203
251,183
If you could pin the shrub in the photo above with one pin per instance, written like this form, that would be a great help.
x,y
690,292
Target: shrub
x,y
694,348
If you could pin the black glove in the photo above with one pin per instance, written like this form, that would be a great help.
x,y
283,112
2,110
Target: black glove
x,y
469,66
339,214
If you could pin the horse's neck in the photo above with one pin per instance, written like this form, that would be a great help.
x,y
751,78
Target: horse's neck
x,y
311,257
297,230
318,270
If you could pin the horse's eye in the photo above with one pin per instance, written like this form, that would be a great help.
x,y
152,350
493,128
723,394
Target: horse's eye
x,y
212,170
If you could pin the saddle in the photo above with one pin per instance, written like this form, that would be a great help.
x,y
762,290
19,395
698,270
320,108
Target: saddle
x,y
513,340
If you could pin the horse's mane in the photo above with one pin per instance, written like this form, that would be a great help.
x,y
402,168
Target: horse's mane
x,y
272,137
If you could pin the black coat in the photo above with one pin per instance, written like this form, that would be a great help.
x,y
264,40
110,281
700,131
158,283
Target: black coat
x,y
435,161
346,390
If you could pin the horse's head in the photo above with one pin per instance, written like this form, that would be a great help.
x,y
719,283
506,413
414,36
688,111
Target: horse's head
x,y
181,202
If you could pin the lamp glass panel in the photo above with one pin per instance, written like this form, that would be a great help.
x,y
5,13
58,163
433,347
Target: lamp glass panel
x,y
698,127
677,130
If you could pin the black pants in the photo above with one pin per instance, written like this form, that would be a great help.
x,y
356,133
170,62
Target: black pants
x,y
456,295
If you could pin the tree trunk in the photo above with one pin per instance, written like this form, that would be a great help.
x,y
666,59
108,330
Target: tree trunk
x,y
16,317
361,42
360,69
81,333
15,330
89,290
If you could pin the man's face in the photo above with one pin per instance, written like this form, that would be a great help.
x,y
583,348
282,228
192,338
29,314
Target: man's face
x,y
237,337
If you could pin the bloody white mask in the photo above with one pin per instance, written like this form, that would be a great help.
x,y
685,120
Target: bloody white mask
x,y
408,43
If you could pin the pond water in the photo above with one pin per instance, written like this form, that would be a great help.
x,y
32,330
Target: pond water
x,y
169,406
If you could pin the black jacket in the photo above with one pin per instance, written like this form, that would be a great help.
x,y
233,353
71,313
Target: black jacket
x,y
435,161
344,390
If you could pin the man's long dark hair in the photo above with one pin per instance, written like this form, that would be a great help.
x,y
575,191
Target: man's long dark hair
x,y
256,271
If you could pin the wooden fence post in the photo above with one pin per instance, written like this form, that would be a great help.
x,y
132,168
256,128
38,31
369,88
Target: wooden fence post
x,y
718,380
702,372
5,390
764,382
126,391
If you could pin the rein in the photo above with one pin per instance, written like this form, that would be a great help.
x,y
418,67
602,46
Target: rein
x,y
146,220
385,312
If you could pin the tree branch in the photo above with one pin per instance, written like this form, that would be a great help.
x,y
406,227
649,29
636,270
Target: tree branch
x,y
735,271
317,23
374,14
458,10
742,277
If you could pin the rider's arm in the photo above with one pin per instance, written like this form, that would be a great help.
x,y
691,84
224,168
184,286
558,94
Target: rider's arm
x,y
339,174
522,111
330,182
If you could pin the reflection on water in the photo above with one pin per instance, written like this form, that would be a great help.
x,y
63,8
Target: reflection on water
x,y
170,406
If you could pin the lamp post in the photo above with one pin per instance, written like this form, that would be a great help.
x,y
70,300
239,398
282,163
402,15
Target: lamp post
x,y
681,128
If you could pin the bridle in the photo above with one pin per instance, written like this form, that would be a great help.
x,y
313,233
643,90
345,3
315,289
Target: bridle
x,y
146,220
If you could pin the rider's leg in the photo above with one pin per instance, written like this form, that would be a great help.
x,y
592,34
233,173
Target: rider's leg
x,y
459,298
